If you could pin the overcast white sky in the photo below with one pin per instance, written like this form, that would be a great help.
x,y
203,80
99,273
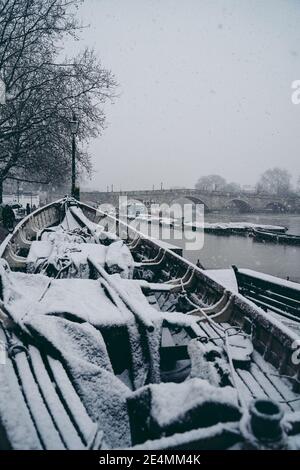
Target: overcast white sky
x,y
205,88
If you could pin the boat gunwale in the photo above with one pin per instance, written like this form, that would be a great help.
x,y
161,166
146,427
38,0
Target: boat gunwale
x,y
251,307
281,332
23,223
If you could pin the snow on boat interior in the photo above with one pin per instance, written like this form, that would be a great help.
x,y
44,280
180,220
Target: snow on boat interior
x,y
109,342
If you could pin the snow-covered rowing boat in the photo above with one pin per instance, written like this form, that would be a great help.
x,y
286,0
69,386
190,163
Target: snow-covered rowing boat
x,y
270,293
234,228
112,341
267,236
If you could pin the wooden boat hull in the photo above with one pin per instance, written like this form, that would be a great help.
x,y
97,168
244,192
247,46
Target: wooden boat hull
x,y
263,236
175,283
173,264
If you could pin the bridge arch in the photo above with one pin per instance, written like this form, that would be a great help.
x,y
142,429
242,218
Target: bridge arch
x,y
240,204
276,206
193,199
113,203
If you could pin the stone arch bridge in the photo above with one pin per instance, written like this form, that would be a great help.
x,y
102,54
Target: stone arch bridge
x,y
212,200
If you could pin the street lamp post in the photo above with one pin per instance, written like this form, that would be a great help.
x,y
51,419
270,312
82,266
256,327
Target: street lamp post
x,y
74,129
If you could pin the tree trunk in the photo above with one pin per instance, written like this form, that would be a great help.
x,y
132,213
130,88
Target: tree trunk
x,y
1,191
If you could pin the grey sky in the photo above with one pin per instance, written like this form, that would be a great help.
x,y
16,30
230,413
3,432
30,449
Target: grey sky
x,y
205,88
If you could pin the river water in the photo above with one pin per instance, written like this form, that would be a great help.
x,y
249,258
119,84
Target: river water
x,y
221,252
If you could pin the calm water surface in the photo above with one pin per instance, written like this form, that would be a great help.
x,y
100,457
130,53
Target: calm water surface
x,y
224,251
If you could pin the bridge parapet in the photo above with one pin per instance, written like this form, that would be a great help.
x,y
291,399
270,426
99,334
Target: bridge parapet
x,y
212,200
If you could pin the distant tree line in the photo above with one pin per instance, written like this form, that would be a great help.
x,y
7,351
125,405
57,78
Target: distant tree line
x,y
216,183
275,181
43,90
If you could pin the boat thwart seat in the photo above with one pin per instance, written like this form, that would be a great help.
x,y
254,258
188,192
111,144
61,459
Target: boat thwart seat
x,y
270,293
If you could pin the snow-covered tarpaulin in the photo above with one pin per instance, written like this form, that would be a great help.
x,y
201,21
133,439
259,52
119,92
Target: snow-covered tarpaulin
x,y
68,326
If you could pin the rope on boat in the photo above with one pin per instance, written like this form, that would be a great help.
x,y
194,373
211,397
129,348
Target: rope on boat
x,y
231,365
216,338
207,317
119,299
233,372
50,282
292,400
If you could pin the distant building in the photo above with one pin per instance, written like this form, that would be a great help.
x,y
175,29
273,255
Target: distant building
x,y
248,188
33,199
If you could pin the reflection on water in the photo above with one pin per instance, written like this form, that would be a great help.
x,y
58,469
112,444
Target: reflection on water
x,y
243,251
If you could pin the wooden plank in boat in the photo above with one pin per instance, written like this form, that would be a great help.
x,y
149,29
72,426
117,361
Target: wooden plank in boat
x,y
278,382
268,306
277,294
160,300
152,299
211,333
245,382
197,330
59,415
86,427
170,351
153,302
243,388
273,300
44,424
260,371
205,330
253,385
13,410
267,385
155,286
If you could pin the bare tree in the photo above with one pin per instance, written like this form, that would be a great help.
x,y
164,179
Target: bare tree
x,y
211,183
233,188
298,186
275,181
42,92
